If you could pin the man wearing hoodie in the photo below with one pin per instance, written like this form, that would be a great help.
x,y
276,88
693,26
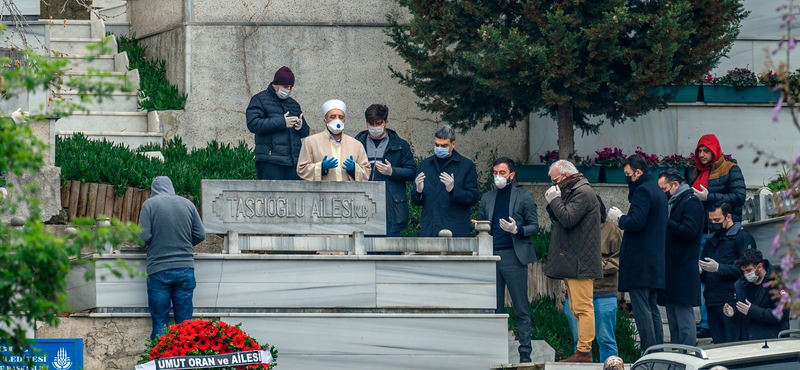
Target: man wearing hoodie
x,y
171,227
715,179
755,304
392,162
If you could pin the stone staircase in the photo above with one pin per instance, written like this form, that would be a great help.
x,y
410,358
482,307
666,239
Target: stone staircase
x,y
117,119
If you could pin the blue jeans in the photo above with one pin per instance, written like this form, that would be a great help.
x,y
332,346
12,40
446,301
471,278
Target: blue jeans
x,y
175,286
605,325
703,311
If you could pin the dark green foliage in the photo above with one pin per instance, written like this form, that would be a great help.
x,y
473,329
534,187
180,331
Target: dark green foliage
x,y
549,323
155,91
87,160
495,62
541,244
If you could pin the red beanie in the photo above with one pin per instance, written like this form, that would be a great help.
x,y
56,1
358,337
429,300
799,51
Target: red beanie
x,y
283,77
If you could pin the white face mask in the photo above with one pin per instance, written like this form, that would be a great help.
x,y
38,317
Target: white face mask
x,y
283,93
751,276
376,132
336,127
500,182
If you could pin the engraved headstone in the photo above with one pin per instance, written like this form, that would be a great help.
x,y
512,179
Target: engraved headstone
x,y
293,207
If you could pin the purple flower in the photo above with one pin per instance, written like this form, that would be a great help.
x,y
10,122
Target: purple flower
x,y
792,44
777,110
786,262
778,311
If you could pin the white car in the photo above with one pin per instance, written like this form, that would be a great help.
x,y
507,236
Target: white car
x,y
771,354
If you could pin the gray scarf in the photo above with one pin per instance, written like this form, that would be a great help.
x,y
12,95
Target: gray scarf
x,y
376,154
684,187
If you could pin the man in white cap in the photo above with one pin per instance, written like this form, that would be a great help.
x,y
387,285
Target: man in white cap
x,y
331,155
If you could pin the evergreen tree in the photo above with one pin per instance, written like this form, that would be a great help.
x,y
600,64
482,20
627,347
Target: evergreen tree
x,y
498,61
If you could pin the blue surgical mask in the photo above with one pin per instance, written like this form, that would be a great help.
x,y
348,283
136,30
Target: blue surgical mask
x,y
441,152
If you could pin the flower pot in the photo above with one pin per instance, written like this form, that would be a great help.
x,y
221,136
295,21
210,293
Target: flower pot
x,y
590,173
713,93
686,94
613,175
655,171
533,173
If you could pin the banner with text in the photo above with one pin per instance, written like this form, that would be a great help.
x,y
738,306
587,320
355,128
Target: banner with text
x,y
208,362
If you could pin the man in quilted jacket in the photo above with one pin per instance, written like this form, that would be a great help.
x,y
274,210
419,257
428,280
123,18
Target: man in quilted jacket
x,y
575,254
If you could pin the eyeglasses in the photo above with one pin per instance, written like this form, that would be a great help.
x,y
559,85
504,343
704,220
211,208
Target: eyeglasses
x,y
557,179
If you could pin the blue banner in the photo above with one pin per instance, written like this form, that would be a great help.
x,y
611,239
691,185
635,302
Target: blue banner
x,y
57,354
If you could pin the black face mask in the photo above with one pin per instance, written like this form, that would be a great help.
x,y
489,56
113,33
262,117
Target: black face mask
x,y
668,194
715,227
629,179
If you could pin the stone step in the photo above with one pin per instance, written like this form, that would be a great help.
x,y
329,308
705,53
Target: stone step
x,y
63,28
104,121
119,28
132,139
100,4
133,78
77,46
81,63
120,101
116,13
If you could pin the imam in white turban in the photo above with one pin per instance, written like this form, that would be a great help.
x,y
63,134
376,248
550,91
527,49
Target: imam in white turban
x,y
333,104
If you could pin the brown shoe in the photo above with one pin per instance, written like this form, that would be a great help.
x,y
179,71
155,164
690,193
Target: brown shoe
x,y
579,356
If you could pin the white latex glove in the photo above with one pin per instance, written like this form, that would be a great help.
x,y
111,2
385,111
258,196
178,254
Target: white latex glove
x,y
614,214
552,193
290,121
19,115
702,195
299,123
709,265
509,226
728,310
384,168
447,180
420,181
743,307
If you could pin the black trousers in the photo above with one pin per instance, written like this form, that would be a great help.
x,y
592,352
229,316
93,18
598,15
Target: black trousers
x,y
272,171
722,328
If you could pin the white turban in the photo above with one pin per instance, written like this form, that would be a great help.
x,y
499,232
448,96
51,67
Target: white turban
x,y
333,104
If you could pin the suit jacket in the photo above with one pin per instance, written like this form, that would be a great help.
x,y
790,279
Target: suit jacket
x,y
522,209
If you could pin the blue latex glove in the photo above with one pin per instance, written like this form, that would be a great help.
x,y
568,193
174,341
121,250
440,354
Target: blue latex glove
x,y
329,163
349,165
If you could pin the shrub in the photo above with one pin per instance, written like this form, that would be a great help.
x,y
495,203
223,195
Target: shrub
x,y
155,91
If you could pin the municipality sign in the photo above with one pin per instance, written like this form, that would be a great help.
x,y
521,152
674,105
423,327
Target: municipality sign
x,y
58,354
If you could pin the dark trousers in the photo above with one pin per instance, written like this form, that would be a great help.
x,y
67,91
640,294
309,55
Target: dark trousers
x,y
647,317
682,327
272,171
722,328
513,274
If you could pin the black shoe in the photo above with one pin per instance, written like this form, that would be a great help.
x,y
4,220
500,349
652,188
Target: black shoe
x,y
524,357
703,333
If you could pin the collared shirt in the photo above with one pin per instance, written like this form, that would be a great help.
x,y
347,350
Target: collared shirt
x,y
337,142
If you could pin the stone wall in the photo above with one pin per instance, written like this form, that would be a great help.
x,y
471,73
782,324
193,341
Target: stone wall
x,y
337,50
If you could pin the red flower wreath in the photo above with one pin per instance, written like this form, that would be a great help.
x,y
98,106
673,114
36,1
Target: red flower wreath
x,y
204,337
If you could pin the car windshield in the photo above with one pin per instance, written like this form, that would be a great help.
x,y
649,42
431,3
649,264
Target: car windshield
x,y
787,363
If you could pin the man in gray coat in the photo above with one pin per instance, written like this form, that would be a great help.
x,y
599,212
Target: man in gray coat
x,y
575,253
171,227
512,213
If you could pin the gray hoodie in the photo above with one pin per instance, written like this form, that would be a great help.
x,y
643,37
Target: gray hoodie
x,y
172,227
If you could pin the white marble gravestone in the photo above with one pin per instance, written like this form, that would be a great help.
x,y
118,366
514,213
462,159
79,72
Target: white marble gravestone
x,y
294,207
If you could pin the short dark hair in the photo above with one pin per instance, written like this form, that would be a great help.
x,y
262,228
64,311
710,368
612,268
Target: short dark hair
x,y
505,160
750,256
725,207
672,175
446,132
602,209
376,112
636,162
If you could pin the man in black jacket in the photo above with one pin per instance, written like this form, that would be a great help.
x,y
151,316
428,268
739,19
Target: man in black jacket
x,y
277,121
392,162
682,278
641,258
446,187
726,242
755,305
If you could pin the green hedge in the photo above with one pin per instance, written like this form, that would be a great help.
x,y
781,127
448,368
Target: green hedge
x,y
549,323
155,91
104,162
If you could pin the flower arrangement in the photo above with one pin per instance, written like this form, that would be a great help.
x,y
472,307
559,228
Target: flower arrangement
x,y
769,78
584,161
610,157
651,159
549,157
676,161
204,337
738,77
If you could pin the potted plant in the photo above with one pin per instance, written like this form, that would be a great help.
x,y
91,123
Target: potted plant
x,y
611,160
537,172
653,163
739,85
587,167
679,162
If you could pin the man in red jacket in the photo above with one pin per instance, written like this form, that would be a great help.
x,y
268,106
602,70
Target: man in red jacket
x,y
715,179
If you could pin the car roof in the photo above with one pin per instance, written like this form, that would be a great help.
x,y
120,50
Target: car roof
x,y
732,353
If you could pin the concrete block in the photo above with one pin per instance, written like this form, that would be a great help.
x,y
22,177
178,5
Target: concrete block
x,y
121,62
80,63
48,191
118,102
70,28
104,121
